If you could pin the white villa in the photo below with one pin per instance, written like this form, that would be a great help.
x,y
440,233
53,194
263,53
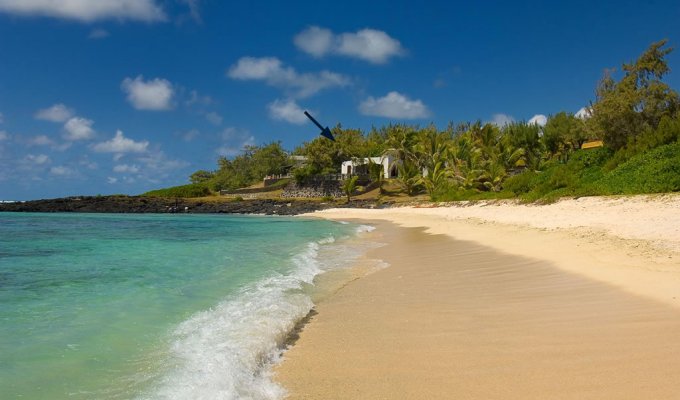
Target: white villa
x,y
360,166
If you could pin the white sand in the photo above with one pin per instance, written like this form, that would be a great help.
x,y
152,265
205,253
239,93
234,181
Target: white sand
x,y
525,303
631,242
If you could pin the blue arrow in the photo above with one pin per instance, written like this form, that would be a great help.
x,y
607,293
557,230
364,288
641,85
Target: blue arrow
x,y
325,132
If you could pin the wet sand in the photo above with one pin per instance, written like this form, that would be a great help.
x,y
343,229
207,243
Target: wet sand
x,y
454,318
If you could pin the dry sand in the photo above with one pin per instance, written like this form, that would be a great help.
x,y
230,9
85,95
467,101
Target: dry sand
x,y
575,300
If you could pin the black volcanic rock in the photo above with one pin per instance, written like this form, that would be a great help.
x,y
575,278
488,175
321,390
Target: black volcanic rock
x,y
137,204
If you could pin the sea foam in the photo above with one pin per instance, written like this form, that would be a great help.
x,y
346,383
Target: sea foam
x,y
227,352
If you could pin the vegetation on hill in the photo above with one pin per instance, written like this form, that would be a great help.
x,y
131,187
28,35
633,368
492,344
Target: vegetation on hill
x,y
637,117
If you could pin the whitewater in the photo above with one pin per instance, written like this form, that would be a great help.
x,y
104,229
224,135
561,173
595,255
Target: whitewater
x,y
158,306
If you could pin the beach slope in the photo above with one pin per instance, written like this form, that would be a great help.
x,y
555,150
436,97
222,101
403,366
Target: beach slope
x,y
574,300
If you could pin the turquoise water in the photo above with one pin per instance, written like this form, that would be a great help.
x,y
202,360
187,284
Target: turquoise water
x,y
155,306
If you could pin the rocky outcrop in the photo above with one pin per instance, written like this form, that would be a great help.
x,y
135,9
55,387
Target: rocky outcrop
x,y
137,204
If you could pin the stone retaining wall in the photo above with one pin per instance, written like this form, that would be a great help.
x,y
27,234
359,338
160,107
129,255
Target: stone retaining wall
x,y
313,190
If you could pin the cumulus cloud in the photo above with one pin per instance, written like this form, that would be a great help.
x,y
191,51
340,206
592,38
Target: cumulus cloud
x,y
538,119
315,41
86,10
39,159
2,118
4,136
196,98
155,94
78,128
61,170
194,10
370,45
394,105
583,113
234,141
214,118
157,164
57,113
40,140
111,180
272,71
287,110
501,119
120,144
190,135
125,168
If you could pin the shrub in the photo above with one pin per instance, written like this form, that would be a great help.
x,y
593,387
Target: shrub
x,y
191,190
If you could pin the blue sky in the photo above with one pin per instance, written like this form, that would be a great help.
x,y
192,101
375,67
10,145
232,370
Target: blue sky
x,y
124,96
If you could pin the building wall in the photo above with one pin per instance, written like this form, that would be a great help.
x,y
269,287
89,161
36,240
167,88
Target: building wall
x,y
385,161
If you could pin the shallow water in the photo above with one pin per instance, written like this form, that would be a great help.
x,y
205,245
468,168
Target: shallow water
x,y
156,306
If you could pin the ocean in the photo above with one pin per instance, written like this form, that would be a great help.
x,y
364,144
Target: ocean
x,y
109,306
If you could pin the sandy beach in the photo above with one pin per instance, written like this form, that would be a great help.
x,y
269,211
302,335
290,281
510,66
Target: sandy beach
x,y
575,300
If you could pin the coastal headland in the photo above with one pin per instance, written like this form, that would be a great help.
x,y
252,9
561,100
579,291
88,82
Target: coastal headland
x,y
579,299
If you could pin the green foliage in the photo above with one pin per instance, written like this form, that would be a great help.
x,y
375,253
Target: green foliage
x,y
201,176
192,190
409,177
302,175
521,183
667,132
562,134
655,171
349,185
251,166
638,117
625,109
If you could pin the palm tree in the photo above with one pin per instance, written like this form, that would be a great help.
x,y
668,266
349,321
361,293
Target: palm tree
x,y
349,185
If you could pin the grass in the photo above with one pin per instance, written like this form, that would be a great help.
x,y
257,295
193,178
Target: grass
x,y
191,190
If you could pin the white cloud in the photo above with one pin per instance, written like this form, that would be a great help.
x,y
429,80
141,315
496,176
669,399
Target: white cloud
x,y
538,119
394,105
121,145
501,119
315,41
4,136
194,10
367,44
190,135
155,94
196,98
272,71
56,113
99,34
39,159
157,164
583,113
40,140
61,171
214,118
111,180
235,140
86,10
2,118
125,168
78,128
287,110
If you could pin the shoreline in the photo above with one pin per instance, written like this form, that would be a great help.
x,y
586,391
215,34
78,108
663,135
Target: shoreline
x,y
545,305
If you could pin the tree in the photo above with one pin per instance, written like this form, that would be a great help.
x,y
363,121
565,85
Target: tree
x,y
268,160
201,176
408,177
349,185
563,133
639,101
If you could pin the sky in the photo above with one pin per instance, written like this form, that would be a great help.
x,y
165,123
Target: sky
x,y
126,96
